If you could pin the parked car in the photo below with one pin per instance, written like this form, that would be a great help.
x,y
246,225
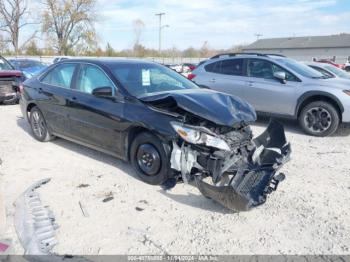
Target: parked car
x,y
330,62
347,67
10,82
59,59
28,67
188,67
164,124
329,70
280,86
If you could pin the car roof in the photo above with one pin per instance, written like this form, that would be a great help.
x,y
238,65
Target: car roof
x,y
106,61
222,57
24,60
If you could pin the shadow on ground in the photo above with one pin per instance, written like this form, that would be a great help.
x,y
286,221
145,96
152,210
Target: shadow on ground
x,y
197,201
79,149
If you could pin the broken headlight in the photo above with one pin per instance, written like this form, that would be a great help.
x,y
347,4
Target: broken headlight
x,y
198,135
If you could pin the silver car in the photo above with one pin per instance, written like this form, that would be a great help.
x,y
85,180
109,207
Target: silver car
x,y
280,86
329,70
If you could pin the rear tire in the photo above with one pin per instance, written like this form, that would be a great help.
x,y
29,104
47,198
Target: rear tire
x,y
150,159
38,126
319,118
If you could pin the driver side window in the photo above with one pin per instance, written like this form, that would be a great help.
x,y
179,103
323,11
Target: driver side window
x,y
265,69
91,77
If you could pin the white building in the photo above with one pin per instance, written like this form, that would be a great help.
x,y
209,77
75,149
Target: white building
x,y
305,48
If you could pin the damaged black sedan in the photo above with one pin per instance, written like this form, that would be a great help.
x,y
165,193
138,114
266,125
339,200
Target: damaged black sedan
x,y
170,129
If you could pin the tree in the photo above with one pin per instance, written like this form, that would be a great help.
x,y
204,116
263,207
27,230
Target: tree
x,y
13,17
205,50
69,23
138,26
32,49
191,52
3,44
109,50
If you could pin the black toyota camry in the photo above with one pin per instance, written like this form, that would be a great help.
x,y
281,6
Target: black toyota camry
x,y
169,128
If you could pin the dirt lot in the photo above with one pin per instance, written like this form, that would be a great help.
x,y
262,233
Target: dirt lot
x,y
309,214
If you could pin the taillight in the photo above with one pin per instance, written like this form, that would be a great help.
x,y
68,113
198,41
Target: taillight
x,y
191,76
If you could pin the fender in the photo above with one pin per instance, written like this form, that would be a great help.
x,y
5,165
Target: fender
x,y
309,94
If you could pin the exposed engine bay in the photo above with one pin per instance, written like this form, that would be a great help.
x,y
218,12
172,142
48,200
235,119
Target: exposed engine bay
x,y
228,165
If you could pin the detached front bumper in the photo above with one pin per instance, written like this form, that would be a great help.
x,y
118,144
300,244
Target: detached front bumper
x,y
253,179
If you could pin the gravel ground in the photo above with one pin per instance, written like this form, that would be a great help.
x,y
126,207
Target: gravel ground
x,y
309,214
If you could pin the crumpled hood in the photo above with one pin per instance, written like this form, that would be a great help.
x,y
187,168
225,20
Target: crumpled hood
x,y
220,108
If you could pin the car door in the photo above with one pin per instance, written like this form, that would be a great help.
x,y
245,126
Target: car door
x,y
267,93
226,76
54,91
96,120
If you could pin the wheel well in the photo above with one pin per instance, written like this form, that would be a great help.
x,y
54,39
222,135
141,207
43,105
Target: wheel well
x,y
29,107
134,132
320,98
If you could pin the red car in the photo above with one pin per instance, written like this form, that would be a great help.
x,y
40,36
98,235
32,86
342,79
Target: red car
x,y
10,83
327,61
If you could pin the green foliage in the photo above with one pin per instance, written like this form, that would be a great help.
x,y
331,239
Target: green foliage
x,y
32,49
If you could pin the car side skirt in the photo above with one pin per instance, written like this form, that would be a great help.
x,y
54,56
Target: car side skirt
x,y
97,148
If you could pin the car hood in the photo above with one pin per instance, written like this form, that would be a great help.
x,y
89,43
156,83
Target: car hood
x,y
10,73
338,83
219,108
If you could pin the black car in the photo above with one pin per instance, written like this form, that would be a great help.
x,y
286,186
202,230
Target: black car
x,y
166,126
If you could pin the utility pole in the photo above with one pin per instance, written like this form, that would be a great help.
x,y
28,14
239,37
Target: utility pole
x,y
160,31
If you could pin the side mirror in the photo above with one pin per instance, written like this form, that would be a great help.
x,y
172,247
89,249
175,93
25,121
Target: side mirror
x,y
280,76
104,91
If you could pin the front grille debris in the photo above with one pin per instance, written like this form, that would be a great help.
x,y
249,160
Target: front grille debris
x,y
34,222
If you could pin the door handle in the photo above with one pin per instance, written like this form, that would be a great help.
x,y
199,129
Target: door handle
x,y
40,90
74,98
250,83
212,80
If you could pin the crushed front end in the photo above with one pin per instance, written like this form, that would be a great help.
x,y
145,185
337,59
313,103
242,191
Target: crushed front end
x,y
228,165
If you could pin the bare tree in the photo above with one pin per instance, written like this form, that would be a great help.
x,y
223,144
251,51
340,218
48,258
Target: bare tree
x,y
69,23
3,44
205,49
138,26
14,15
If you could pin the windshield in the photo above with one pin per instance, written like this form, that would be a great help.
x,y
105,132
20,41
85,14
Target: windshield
x,y
300,68
142,79
4,65
337,71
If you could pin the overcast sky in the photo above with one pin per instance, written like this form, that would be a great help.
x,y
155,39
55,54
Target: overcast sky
x,y
223,23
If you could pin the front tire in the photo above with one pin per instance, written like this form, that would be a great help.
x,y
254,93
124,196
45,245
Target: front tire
x,y
319,118
38,126
150,159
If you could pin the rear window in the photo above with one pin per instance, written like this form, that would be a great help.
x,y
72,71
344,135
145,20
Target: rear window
x,y
226,67
213,67
60,76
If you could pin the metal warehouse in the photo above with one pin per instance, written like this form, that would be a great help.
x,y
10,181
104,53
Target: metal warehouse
x,y
335,47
